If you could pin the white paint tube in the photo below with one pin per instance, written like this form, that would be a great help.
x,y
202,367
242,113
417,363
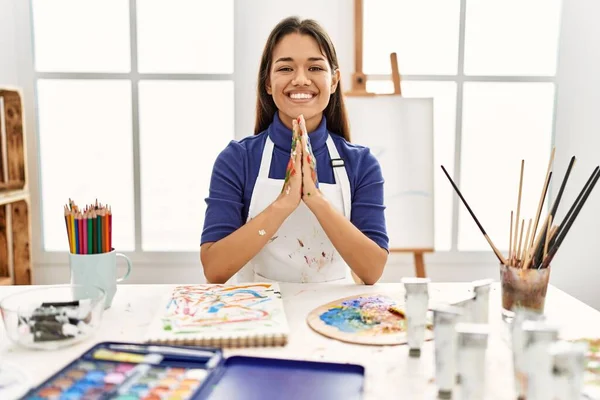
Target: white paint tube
x,y
416,304
480,306
539,336
518,347
568,367
445,318
472,346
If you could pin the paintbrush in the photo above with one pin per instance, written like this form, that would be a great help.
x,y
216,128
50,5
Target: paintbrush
x,y
496,251
576,202
567,223
538,249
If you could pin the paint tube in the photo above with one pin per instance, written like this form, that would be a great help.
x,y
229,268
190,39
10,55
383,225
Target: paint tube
x,y
539,336
480,306
445,318
568,366
416,303
518,346
471,349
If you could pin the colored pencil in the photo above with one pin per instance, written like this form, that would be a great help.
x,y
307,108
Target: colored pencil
x,y
110,248
84,229
72,223
76,224
99,232
94,229
89,229
105,231
90,234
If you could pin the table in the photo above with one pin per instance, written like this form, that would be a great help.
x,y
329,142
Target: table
x,y
390,373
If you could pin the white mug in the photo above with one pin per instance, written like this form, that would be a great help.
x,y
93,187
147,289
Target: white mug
x,y
98,270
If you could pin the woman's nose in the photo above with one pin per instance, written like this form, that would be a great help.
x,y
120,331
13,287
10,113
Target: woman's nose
x,y
301,79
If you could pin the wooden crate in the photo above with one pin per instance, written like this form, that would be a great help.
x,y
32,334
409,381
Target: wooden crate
x,y
15,225
12,143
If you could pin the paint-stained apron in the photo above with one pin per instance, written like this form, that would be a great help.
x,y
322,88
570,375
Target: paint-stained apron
x,y
299,251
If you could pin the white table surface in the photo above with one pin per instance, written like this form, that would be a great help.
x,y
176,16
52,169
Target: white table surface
x,y
390,373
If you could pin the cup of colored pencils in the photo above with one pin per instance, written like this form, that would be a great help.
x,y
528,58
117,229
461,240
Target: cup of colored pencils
x,y
89,230
525,271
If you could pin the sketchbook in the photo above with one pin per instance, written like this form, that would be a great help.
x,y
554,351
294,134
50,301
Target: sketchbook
x,y
215,315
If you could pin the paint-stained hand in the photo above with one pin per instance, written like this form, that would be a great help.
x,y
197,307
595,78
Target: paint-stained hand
x,y
310,182
291,192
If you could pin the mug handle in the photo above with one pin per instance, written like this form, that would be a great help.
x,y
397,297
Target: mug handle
x,y
121,279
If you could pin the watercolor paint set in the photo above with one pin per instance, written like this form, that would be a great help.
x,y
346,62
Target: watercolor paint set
x,y
133,371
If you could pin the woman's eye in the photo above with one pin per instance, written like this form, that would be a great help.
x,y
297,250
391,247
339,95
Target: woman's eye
x,y
284,69
316,68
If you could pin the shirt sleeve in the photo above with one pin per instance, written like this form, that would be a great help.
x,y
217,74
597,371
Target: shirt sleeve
x,y
368,209
224,204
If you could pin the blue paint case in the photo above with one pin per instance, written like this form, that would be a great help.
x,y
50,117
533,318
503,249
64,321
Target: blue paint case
x,y
195,373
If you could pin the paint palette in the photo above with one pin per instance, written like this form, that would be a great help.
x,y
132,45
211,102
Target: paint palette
x,y
371,319
131,371
145,373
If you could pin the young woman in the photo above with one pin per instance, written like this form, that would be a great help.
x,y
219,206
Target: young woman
x,y
296,202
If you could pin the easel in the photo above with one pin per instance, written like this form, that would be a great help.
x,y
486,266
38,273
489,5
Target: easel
x,y
359,88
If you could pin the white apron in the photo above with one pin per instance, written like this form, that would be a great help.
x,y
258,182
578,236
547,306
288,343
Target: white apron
x,y
299,251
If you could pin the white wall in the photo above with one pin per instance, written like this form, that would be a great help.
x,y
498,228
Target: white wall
x,y
8,49
577,265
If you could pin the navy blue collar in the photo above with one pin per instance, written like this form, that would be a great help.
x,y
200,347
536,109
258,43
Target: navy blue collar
x,y
281,135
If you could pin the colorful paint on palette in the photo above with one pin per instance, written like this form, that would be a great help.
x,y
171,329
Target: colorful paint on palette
x,y
92,380
365,315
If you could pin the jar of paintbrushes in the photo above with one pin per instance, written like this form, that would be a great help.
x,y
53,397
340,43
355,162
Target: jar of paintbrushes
x,y
525,273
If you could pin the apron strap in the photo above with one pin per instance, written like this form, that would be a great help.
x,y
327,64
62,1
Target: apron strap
x,y
341,176
267,155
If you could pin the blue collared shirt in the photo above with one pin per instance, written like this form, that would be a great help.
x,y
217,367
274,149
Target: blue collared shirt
x,y
236,169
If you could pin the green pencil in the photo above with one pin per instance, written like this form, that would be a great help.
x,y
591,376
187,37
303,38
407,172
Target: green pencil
x,y
94,244
90,241
99,232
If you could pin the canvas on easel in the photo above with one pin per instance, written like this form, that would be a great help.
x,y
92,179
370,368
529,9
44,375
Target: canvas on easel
x,y
399,132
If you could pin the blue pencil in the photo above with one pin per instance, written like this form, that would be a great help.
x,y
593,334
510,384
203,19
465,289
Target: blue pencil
x,y
77,238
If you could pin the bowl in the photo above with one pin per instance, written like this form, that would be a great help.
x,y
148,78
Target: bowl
x,y
52,317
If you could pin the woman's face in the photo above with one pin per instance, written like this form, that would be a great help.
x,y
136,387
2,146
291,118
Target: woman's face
x,y
300,80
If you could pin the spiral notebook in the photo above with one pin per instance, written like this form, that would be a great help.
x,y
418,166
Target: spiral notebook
x,y
214,315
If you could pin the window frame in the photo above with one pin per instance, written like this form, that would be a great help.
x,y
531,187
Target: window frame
x,y
28,78
460,78
191,259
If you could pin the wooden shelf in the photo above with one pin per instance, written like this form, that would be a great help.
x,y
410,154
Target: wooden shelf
x,y
12,196
15,225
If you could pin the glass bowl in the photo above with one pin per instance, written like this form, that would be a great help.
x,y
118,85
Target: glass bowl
x,y
51,317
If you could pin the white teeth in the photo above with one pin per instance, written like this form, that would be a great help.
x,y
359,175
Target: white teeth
x,y
301,96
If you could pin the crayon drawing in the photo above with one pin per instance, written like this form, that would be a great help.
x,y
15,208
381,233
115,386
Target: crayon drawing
x,y
374,319
210,307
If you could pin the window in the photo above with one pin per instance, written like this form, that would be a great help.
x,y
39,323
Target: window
x,y
492,79
135,101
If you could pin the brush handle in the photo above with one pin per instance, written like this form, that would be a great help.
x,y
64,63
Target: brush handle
x,y
562,233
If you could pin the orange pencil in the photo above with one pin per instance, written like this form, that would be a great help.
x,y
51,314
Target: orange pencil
x,y
72,224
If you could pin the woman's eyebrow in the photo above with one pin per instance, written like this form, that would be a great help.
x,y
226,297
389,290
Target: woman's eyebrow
x,y
290,59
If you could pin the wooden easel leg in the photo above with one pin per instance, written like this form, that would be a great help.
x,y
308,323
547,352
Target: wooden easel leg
x,y
420,265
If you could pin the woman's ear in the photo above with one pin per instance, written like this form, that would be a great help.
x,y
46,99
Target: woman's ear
x,y
335,80
268,87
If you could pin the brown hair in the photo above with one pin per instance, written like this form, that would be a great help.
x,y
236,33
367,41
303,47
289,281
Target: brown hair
x,y
335,112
